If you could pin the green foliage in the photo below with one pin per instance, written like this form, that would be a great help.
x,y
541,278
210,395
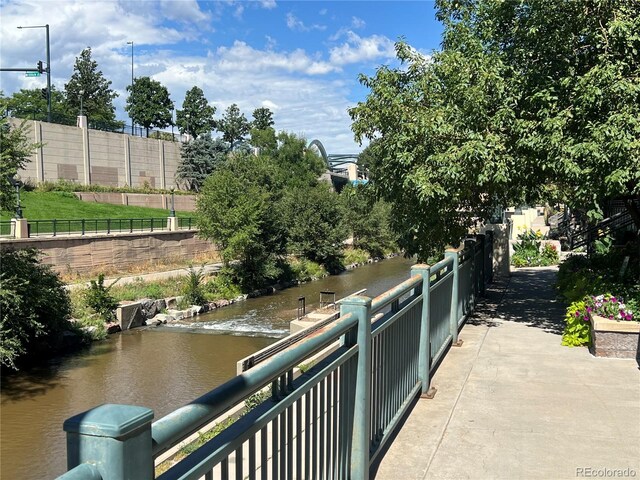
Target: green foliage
x,y
34,307
15,149
62,185
369,220
149,104
304,270
233,125
88,83
199,158
603,245
222,285
528,252
315,224
262,119
192,288
300,166
99,299
238,208
355,256
581,276
577,331
521,96
196,116
264,140
30,104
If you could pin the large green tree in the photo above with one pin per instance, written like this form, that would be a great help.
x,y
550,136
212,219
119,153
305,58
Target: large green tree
x,y
239,209
196,116
149,103
88,84
233,125
263,135
32,104
523,95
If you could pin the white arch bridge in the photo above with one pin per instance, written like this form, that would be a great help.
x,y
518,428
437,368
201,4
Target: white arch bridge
x,y
342,168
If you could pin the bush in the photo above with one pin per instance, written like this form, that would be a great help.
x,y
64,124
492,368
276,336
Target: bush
x,y
192,287
34,307
528,252
577,331
222,286
99,299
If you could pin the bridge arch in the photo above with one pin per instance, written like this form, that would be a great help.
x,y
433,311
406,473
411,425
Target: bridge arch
x,y
318,144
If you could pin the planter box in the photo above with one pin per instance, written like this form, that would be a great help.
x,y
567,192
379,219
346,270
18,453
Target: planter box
x,y
612,338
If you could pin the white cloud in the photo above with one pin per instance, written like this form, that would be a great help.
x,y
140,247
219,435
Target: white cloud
x,y
360,49
294,23
295,84
268,4
357,23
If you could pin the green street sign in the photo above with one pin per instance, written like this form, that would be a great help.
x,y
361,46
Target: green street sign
x,y
32,74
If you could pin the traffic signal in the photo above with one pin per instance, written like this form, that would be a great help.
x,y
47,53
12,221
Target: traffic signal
x,y
40,67
45,93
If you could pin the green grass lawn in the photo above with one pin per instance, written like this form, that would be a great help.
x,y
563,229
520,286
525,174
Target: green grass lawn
x,y
65,205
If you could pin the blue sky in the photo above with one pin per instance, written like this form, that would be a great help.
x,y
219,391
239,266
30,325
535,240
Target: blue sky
x,y
299,58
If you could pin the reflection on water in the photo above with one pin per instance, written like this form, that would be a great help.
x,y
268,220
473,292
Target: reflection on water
x,y
161,368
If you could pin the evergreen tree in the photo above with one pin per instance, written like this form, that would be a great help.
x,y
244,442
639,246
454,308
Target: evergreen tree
x,y
199,159
262,118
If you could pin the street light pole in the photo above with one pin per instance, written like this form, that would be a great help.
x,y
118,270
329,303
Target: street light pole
x,y
132,123
81,98
48,68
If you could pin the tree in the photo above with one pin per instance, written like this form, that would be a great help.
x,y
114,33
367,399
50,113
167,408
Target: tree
x,y
315,224
196,116
369,220
521,96
88,83
233,125
149,103
262,118
15,150
31,104
34,306
263,135
301,165
199,158
239,209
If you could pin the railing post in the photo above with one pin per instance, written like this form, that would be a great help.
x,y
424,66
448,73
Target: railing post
x,y
489,256
114,438
424,351
360,306
454,313
480,237
470,244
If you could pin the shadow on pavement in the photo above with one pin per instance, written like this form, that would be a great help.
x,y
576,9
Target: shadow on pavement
x,y
528,296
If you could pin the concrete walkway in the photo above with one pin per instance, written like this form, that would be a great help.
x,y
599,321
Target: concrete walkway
x,y
512,403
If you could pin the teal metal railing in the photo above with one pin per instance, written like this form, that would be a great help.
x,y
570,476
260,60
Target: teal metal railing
x,y
330,422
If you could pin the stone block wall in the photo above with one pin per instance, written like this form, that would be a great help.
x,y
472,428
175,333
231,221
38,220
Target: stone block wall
x,y
84,254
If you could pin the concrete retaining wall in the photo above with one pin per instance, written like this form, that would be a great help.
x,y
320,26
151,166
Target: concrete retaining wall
x,y
93,157
83,254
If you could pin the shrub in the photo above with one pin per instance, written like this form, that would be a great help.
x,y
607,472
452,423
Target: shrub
x,y
222,286
99,299
577,331
528,252
192,287
34,307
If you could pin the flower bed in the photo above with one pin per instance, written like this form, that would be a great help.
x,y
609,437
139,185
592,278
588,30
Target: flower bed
x,y
614,319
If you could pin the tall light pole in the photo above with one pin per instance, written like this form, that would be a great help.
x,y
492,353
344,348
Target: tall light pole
x,y
132,123
48,68
81,98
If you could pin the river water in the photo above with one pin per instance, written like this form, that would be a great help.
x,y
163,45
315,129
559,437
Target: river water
x,y
160,368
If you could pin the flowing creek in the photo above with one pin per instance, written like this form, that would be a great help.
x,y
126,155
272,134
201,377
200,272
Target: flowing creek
x,y
160,368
